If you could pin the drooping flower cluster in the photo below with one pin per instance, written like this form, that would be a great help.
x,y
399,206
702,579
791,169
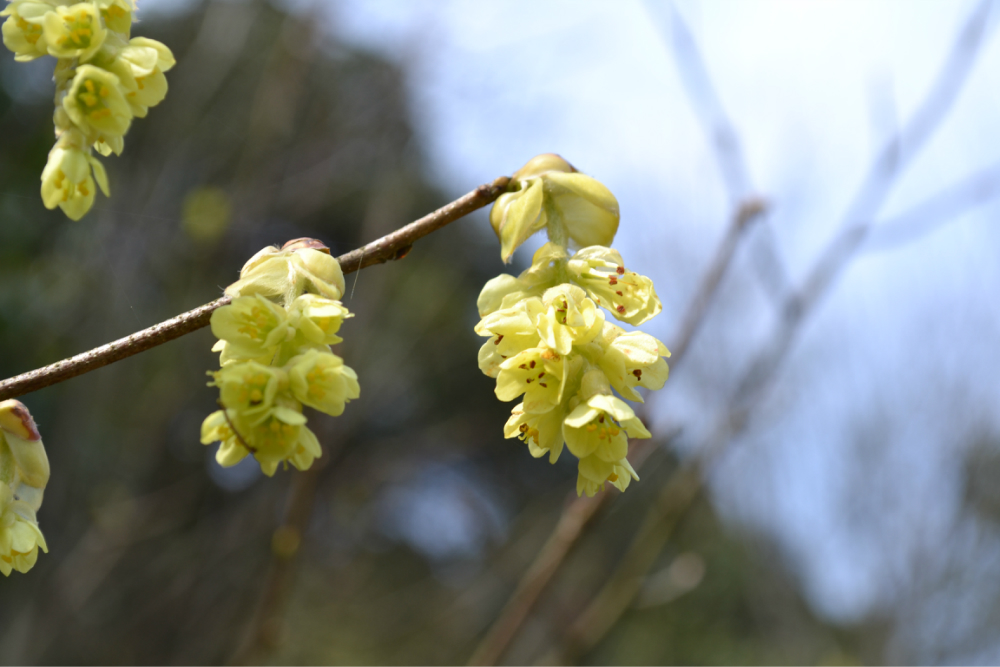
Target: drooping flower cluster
x,y
24,472
274,345
548,337
104,78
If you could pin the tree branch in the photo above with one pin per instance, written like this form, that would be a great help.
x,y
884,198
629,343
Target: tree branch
x,y
390,247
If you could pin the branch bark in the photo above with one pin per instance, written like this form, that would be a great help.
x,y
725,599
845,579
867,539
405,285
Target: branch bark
x,y
390,247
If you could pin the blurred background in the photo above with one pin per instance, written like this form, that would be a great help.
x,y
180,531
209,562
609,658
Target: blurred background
x,y
837,401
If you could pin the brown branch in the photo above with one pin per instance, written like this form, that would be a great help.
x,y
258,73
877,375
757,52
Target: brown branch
x,y
685,485
389,247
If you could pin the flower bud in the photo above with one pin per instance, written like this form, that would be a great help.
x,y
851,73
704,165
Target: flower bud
x,y
286,274
551,193
18,431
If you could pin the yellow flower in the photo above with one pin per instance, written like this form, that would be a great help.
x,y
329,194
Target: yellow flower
x,y
287,273
511,331
249,387
279,435
600,425
117,15
593,472
633,359
95,103
569,318
322,381
20,537
538,373
627,295
76,31
140,68
252,328
542,432
551,193
317,318
67,181
23,31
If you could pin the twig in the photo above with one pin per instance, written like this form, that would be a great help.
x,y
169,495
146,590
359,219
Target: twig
x,y
686,483
929,214
389,247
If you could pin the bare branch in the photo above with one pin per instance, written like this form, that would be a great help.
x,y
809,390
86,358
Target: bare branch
x,y
389,247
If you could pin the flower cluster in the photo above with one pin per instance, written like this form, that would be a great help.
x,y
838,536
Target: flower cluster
x,y
24,472
549,340
274,345
104,78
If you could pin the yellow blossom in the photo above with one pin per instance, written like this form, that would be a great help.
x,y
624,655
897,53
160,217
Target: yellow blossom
x,y
20,537
322,381
95,103
633,359
278,435
511,331
76,31
629,296
23,29
542,432
249,387
317,318
569,317
252,328
68,181
117,15
593,472
140,67
538,373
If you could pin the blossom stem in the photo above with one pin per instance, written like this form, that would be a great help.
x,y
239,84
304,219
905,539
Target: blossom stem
x,y
390,247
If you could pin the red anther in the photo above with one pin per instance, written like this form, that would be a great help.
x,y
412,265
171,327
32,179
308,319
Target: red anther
x,y
542,374
601,419
532,363
523,366
542,384
499,338
619,293
528,381
613,280
637,373
621,270
621,309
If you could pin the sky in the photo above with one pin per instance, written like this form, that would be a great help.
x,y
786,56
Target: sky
x,y
854,461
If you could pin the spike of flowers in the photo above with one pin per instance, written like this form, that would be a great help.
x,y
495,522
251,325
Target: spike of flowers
x,y
24,473
104,78
548,339
275,357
